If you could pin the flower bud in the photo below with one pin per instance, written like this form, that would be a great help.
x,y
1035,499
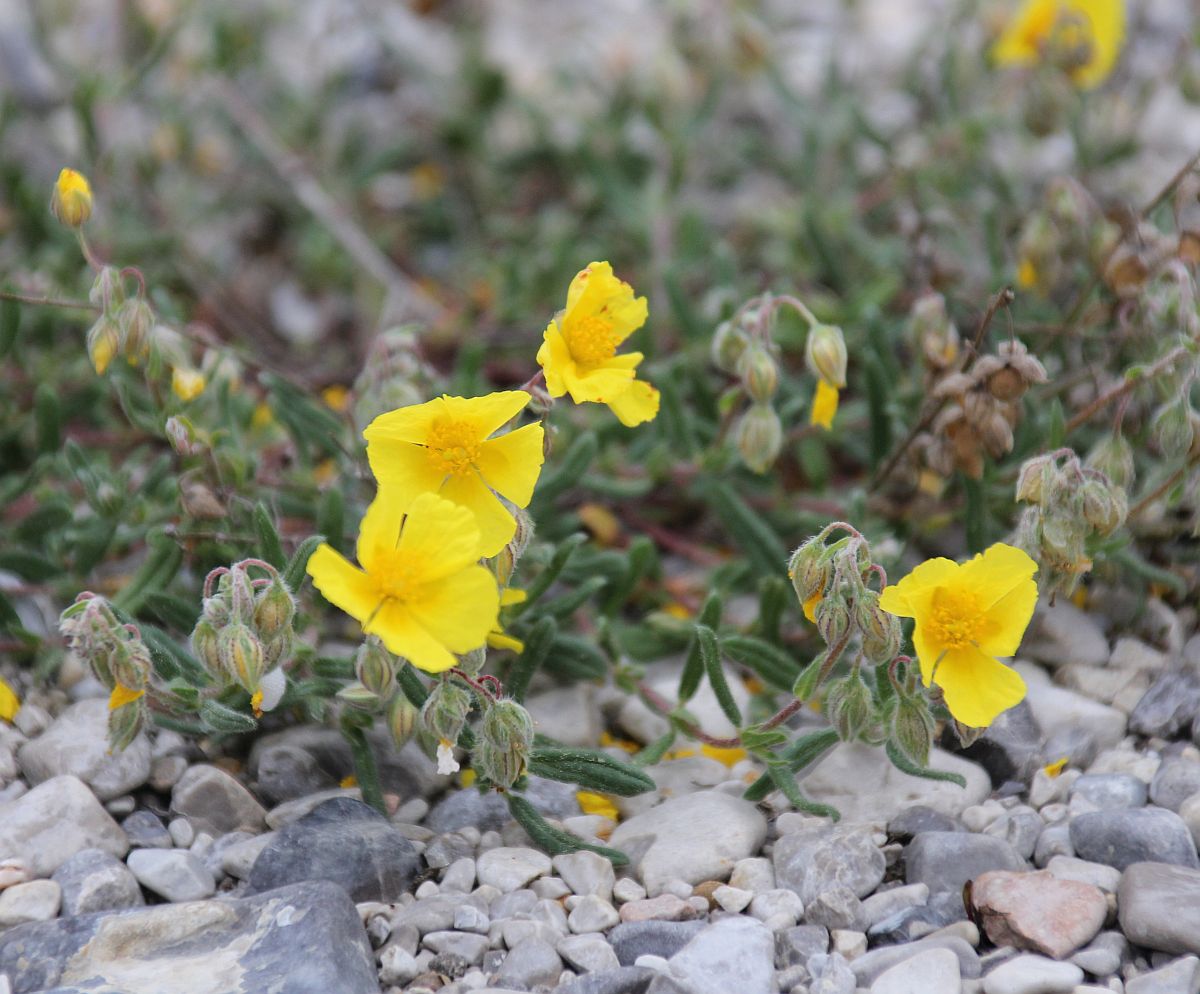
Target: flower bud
x,y
130,663
187,384
472,662
241,656
124,723
103,343
359,697
1103,507
506,723
71,200
758,372
848,706
1173,428
759,437
215,610
136,320
505,563
106,289
503,767
274,609
933,331
241,594
375,668
401,719
728,344
825,354
809,569
913,727
1035,479
1112,455
880,630
833,619
445,711
181,433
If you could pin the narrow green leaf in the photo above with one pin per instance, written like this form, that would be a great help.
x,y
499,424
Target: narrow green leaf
x,y
217,717
710,655
47,415
975,515
747,528
578,457
28,565
590,769
10,324
331,518
542,582
577,658
553,840
565,604
537,647
294,573
768,661
785,780
878,391
655,751
159,568
774,596
906,765
270,547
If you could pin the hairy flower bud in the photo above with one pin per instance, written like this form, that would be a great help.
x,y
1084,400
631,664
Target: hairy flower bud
x,y
241,594
136,320
833,619
809,569
71,200
124,723
506,723
274,609
130,663
913,727
825,354
103,343
375,667
848,706
445,711
1103,507
358,696
106,289
728,343
1172,428
401,719
241,656
759,372
759,437
1035,479
880,631
1112,455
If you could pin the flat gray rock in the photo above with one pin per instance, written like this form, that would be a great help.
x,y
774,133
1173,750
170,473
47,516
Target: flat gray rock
x,y
1176,780
873,964
813,860
77,745
732,954
1121,837
651,938
1179,977
93,880
304,939
51,823
1110,790
1159,907
489,812
529,963
1170,705
174,874
622,980
931,971
944,861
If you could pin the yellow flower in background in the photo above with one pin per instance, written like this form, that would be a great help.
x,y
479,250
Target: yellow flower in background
x,y
187,384
1090,31
444,447
967,616
10,703
71,201
421,588
824,405
579,347
336,397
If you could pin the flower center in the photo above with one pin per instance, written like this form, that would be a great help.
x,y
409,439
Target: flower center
x,y
453,447
592,340
956,619
397,576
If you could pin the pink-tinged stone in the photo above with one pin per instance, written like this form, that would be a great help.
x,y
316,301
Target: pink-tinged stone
x,y
1037,911
664,908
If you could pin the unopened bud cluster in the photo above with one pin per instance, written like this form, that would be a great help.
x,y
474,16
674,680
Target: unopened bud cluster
x,y
1069,504
982,408
245,633
505,742
394,375
117,656
933,333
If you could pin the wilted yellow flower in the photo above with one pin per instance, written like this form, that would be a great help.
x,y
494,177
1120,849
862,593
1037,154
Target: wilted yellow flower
x,y
1089,32
966,616
443,447
71,201
824,405
10,703
579,347
187,384
421,588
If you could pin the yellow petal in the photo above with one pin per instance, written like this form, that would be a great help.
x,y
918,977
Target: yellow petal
x,y
824,406
555,359
10,703
1008,618
122,695
512,595
599,385
496,526
441,535
379,530
511,463
1107,19
810,607
402,634
458,610
406,424
499,640
187,384
1053,770
902,599
403,467
978,687
730,757
487,413
993,574
637,404
343,584
595,290
596,804
1029,30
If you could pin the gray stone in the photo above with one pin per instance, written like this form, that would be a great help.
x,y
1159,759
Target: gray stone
x,y
919,818
586,873
1053,842
145,830
592,914
676,840
460,875
932,971
429,914
1107,878
1170,705
1061,634
214,802
1121,837
1076,745
587,953
837,906
1009,748
830,974
489,812
1102,957
1159,907
77,745
397,966
285,771
1020,828
172,873
468,918
290,811
51,823
861,782
343,841
446,849
237,858
875,962
651,938
510,868
794,946
1028,974
247,944
813,860
1056,708
92,880
467,945
882,905
622,980
944,861
1180,977
568,715
1176,780
35,901
529,963
941,910
731,954
1106,791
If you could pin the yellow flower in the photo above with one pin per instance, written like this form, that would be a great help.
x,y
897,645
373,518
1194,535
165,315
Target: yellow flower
x,y
1094,28
1027,274
187,384
498,638
443,447
122,695
966,617
579,347
421,588
336,397
728,756
71,201
824,405
10,703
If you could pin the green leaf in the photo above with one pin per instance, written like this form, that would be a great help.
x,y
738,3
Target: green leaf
x,y
331,518
47,415
171,659
590,769
294,573
553,840
170,610
693,667
755,739
567,603
577,658
159,568
575,461
747,528
10,324
655,751
217,717
29,565
710,655
537,647
975,515
772,664
566,548
906,765
801,753
774,596
270,547
49,517
785,780
878,391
